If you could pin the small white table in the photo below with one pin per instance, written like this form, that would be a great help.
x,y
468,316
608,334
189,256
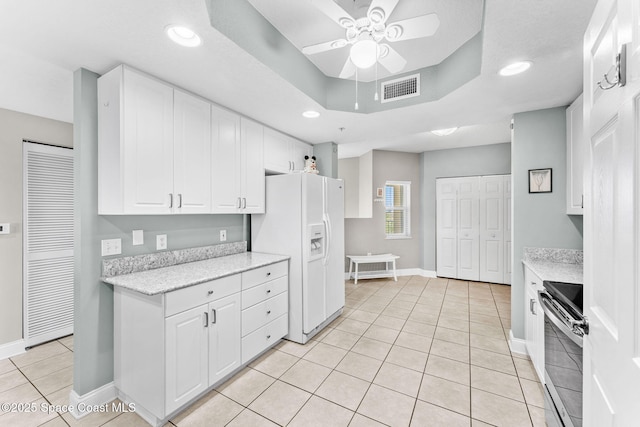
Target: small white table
x,y
369,259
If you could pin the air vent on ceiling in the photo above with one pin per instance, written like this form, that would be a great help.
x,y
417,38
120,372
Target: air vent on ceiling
x,y
405,87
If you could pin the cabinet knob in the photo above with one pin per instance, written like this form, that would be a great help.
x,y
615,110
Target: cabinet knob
x,y
269,273
210,293
268,291
268,336
268,311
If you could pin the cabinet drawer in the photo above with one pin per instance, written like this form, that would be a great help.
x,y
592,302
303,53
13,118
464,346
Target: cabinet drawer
x,y
532,280
185,298
261,314
261,292
252,278
263,338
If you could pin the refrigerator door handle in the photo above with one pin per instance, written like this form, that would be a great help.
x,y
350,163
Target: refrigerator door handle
x,y
326,221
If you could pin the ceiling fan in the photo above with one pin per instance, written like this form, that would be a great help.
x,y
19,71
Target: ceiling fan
x,y
367,35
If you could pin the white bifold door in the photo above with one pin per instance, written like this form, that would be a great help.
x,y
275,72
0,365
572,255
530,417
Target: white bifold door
x,y
48,242
473,228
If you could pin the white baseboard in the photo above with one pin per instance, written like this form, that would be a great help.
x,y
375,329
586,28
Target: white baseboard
x,y
517,345
83,405
399,272
11,349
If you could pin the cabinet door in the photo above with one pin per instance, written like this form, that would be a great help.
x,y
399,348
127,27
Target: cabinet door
x,y
186,350
276,152
298,151
225,161
148,144
447,241
575,157
492,229
192,154
252,165
508,259
224,337
468,229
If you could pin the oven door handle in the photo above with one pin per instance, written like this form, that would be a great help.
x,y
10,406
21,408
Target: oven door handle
x,y
562,319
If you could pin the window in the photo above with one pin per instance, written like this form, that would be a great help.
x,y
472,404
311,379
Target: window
x,y
397,204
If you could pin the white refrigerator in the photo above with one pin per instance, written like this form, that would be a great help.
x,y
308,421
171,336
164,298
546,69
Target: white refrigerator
x,y
304,219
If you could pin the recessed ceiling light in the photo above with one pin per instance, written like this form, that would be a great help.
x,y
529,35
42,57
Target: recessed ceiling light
x,y
444,132
515,68
311,114
183,36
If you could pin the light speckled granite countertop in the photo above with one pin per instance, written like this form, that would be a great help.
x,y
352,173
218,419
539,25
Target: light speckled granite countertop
x,y
166,279
558,265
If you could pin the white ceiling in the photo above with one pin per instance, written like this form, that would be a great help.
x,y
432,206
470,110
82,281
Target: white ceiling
x,y
42,42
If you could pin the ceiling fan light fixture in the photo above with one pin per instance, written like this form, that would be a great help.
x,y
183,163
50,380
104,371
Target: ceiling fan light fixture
x,y
393,32
311,114
377,15
183,36
444,132
364,53
515,68
346,22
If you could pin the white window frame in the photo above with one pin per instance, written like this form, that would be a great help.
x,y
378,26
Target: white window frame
x,y
406,208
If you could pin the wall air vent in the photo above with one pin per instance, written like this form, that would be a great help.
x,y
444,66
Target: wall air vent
x,y
405,87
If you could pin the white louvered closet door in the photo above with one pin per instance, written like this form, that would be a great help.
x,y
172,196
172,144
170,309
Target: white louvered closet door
x,y
48,242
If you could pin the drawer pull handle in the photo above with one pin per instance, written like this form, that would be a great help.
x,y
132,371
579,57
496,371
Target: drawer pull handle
x,y
269,274
268,291
268,311
210,293
268,336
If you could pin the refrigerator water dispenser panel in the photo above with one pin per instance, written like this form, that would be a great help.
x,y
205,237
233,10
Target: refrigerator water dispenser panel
x,y
316,241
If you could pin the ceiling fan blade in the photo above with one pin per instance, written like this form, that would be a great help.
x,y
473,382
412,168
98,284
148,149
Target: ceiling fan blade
x,y
386,6
335,12
323,47
413,28
391,60
348,70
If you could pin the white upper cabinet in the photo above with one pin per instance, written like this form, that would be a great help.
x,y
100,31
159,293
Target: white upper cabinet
x,y
283,154
575,157
252,167
225,160
238,164
154,147
192,154
135,144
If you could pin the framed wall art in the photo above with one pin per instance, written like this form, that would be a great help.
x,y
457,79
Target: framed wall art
x,y
540,180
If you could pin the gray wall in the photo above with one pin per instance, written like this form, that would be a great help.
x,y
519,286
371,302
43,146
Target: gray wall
x,y
349,172
327,158
93,300
365,235
539,220
482,160
14,127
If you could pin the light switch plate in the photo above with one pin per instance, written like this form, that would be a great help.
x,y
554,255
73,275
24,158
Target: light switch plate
x,y
138,237
223,235
111,247
161,241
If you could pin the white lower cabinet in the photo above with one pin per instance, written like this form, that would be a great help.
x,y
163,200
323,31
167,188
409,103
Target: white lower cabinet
x,y
186,349
171,348
534,321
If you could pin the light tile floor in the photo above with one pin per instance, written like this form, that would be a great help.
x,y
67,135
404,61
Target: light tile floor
x,y
419,352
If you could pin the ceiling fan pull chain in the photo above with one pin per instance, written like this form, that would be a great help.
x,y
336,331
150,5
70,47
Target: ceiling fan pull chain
x,y
375,97
356,106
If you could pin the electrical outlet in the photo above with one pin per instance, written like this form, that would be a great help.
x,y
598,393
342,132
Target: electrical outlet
x,y
111,247
161,241
138,237
223,235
